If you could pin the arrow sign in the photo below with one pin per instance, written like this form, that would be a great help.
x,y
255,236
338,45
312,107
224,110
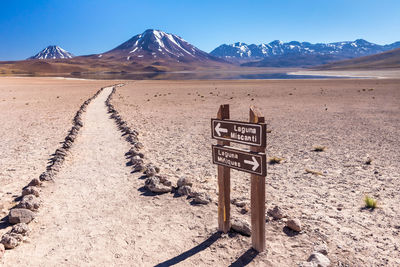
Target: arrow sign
x,y
220,130
240,159
253,162
253,134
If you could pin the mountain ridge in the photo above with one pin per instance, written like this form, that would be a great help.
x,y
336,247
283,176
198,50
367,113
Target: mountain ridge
x,y
155,51
263,55
156,45
385,60
152,51
52,52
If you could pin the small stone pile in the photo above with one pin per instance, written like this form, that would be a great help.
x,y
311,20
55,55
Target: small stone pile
x,y
276,213
155,182
21,215
184,188
158,184
24,212
15,236
292,223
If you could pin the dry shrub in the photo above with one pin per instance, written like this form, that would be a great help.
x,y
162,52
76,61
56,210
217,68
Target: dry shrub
x,y
314,172
319,148
275,160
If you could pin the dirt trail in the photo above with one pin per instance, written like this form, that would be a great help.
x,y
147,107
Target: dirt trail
x,y
95,213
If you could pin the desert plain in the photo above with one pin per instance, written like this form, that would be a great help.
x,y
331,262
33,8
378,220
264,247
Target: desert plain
x,y
96,211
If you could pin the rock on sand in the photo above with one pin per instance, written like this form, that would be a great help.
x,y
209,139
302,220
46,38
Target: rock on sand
x,y
154,185
29,202
241,226
30,190
319,259
11,240
20,216
276,213
294,224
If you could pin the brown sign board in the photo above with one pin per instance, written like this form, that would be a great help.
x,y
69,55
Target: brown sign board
x,y
253,134
239,159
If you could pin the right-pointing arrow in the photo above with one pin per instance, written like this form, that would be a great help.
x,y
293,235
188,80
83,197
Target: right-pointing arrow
x,y
254,162
220,130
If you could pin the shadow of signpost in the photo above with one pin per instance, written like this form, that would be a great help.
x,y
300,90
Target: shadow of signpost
x,y
243,260
200,247
246,258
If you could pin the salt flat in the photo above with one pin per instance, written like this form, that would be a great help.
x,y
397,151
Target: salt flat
x,y
380,74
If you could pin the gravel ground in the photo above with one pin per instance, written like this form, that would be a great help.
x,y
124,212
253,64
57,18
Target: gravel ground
x,y
355,120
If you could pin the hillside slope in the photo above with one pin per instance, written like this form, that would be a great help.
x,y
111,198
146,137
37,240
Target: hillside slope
x,y
389,59
152,51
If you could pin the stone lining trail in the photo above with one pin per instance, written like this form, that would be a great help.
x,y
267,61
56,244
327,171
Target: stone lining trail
x,y
96,214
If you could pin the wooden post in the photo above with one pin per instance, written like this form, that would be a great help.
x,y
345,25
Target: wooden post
x,y
257,195
224,183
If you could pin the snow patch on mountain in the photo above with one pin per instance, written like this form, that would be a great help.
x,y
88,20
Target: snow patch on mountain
x,y
52,52
156,44
167,43
347,49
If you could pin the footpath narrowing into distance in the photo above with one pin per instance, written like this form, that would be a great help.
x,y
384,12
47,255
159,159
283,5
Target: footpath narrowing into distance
x,y
93,210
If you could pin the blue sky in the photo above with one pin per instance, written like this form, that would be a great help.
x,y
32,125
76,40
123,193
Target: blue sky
x,y
94,26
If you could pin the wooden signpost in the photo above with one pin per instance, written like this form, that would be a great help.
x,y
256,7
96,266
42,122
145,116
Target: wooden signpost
x,y
252,161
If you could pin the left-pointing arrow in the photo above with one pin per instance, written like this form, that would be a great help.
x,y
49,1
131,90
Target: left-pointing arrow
x,y
254,162
220,130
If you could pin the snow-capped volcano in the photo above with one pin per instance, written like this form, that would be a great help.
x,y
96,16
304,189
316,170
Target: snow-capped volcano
x,y
52,52
157,45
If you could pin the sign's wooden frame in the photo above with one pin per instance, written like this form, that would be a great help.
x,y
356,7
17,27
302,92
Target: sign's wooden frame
x,y
257,188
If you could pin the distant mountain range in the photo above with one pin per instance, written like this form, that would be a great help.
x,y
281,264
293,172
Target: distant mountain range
x,y
52,52
155,51
152,51
297,54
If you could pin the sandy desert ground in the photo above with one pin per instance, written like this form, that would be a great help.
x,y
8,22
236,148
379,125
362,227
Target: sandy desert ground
x,y
354,119
35,116
97,212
